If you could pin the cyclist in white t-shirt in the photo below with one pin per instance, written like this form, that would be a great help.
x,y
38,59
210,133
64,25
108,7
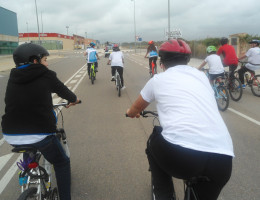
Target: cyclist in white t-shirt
x,y
193,139
216,67
116,59
253,58
92,57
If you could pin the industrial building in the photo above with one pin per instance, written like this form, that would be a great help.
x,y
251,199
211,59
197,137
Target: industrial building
x,y
8,31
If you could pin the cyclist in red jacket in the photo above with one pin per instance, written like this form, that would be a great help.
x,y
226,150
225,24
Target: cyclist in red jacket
x,y
229,54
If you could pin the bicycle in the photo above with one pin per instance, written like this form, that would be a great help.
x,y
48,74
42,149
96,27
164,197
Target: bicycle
x,y
36,179
252,80
92,74
187,184
154,69
221,93
234,87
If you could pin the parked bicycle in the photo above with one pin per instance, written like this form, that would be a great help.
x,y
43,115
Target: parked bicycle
x,y
35,178
251,79
221,93
187,184
234,87
92,74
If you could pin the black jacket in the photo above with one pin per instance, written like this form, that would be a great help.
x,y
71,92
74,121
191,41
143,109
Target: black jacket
x,y
28,100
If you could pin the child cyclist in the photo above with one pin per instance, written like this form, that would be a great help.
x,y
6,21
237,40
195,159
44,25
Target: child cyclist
x,y
116,59
153,55
216,67
92,57
190,142
253,56
29,119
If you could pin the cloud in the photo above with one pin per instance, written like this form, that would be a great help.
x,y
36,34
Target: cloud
x,y
113,20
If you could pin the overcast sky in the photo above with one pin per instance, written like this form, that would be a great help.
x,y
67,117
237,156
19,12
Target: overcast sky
x,y
113,20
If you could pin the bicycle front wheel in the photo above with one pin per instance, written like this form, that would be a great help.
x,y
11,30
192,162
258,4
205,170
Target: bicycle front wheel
x,y
29,194
222,98
255,87
235,89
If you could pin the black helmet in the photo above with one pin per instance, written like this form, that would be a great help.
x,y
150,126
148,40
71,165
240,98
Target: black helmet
x,y
254,41
24,53
223,41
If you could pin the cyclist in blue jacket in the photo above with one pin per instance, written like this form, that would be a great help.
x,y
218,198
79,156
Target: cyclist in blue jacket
x,y
92,57
153,55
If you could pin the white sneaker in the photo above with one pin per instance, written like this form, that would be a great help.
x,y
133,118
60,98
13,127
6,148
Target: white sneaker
x,y
123,88
113,78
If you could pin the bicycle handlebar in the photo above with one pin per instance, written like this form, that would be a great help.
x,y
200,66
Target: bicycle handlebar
x,y
64,104
145,112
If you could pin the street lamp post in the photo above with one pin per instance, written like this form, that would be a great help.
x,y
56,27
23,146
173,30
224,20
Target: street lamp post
x,y
27,31
37,21
67,27
134,24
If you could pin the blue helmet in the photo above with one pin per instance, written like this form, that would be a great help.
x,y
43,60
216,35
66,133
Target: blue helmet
x,y
92,44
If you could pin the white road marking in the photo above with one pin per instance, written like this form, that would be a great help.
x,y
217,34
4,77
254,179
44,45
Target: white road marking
x,y
245,116
73,81
4,159
2,141
8,176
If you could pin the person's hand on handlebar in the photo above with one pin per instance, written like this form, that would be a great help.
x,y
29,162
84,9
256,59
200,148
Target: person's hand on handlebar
x,y
73,103
129,114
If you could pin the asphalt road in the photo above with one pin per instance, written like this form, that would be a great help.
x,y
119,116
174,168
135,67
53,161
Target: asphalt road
x,y
107,149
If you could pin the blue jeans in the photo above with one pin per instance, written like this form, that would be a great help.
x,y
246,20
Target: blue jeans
x,y
52,151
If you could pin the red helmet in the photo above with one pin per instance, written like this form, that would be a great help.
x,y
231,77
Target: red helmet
x,y
115,45
173,49
150,42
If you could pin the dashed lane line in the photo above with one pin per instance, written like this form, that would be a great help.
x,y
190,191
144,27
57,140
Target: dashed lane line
x,y
245,116
9,175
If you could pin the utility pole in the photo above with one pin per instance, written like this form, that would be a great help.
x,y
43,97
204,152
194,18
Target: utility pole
x,y
169,21
37,22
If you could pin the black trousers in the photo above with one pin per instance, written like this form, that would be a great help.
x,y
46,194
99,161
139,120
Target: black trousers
x,y
241,73
120,71
154,59
168,160
89,65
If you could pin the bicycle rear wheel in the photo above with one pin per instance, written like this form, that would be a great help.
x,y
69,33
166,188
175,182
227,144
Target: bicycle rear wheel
x,y
222,98
118,81
235,89
29,194
255,87
92,77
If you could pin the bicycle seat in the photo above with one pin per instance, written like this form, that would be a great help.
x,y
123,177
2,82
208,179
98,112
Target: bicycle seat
x,y
24,149
196,179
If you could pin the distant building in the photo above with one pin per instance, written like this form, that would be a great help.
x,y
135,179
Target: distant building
x,y
236,40
50,41
55,41
8,31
